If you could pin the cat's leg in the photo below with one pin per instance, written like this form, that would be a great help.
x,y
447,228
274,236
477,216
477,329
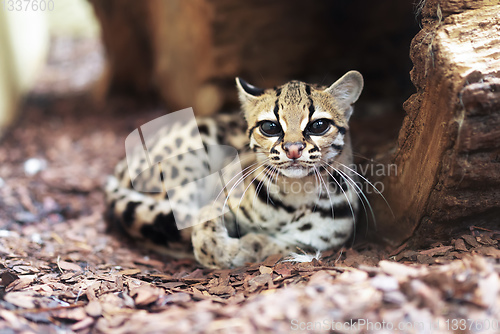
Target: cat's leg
x,y
215,248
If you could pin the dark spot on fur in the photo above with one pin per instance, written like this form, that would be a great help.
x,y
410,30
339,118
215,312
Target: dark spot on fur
x,y
314,149
245,213
163,230
178,142
156,190
276,110
340,211
221,138
184,182
299,216
175,172
203,251
325,239
188,169
256,247
233,124
337,147
158,158
311,108
203,129
111,208
340,235
305,227
262,195
152,207
129,213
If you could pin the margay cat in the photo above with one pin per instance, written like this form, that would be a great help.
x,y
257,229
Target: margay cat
x,y
299,192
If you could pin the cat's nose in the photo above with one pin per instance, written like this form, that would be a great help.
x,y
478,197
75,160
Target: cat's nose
x,y
294,150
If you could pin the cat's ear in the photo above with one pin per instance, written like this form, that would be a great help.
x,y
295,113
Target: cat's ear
x,y
346,91
246,91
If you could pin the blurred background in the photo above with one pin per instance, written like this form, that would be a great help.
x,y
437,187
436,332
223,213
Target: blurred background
x,y
37,39
186,54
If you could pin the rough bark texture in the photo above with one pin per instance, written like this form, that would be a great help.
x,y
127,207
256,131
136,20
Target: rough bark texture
x,y
448,154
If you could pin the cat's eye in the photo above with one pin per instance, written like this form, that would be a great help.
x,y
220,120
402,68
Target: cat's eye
x,y
318,127
270,129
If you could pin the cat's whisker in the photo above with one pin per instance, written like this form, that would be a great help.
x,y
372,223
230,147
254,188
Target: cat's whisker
x,y
249,184
235,176
259,187
242,178
326,188
271,169
361,195
237,183
316,179
347,197
375,188
227,170
357,189
348,201
276,173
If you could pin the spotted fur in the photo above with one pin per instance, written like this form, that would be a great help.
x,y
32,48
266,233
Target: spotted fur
x,y
299,192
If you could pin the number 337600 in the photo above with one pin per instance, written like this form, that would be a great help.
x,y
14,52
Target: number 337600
x,y
28,5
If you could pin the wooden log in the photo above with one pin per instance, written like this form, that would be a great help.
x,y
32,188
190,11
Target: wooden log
x,y
448,151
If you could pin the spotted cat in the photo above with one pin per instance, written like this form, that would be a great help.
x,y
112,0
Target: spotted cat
x,y
299,193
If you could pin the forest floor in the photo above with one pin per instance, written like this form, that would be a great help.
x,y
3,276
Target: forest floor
x,y
61,270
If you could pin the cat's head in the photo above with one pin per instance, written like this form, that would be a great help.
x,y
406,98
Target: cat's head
x,y
298,126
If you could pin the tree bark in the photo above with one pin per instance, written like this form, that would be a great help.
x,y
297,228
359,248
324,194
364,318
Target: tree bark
x,y
448,151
